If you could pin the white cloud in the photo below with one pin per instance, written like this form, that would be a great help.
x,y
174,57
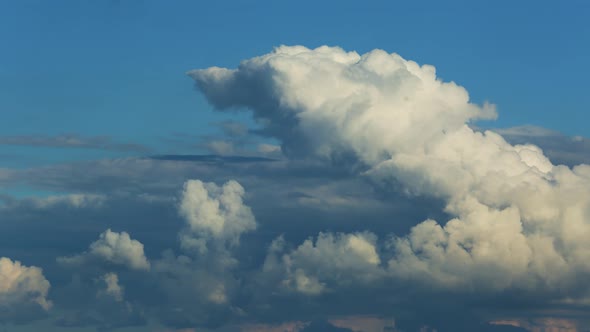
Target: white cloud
x,y
22,285
518,220
113,247
214,214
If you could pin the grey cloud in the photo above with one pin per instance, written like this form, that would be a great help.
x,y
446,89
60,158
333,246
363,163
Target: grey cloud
x,y
74,141
234,128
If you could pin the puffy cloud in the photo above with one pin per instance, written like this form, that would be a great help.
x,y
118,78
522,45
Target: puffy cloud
x,y
21,288
332,260
327,101
114,248
517,220
214,214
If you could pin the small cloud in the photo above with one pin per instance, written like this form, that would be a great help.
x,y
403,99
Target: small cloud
x,y
115,248
220,147
112,287
269,148
234,128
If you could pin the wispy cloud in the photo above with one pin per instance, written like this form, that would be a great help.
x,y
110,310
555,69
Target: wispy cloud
x,y
74,141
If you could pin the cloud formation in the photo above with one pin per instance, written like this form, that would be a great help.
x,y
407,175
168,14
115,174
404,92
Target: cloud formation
x,y
387,194
518,221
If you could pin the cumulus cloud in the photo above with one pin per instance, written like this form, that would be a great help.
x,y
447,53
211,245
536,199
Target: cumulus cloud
x,y
214,214
388,195
326,100
518,221
22,288
337,259
114,248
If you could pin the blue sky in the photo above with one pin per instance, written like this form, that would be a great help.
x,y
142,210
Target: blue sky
x,y
116,68
347,177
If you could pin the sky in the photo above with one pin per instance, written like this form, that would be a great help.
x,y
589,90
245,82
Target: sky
x,y
257,165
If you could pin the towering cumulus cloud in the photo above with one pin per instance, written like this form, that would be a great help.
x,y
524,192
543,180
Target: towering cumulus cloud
x,y
518,222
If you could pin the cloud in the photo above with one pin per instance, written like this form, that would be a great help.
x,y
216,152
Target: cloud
x,y
517,222
114,248
326,101
332,259
74,141
213,213
23,290
77,201
113,288
387,204
220,147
